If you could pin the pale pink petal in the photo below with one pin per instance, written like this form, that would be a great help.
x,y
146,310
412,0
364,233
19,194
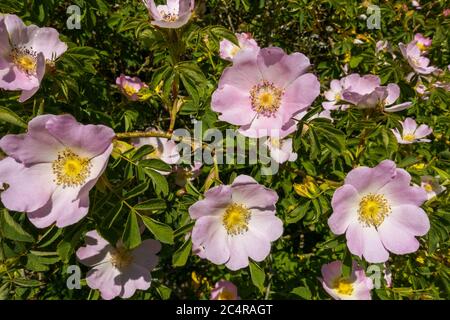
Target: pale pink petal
x,y
345,204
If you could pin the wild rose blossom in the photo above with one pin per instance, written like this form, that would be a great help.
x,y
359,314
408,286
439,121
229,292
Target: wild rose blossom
x,y
236,222
224,290
281,149
355,287
116,271
130,86
24,53
431,186
263,95
379,211
366,92
411,132
334,95
416,60
51,168
363,92
164,149
228,50
423,43
173,15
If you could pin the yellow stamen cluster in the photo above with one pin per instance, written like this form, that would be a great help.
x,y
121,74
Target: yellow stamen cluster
x,y
343,286
236,218
409,137
71,170
129,90
25,60
373,209
266,98
225,295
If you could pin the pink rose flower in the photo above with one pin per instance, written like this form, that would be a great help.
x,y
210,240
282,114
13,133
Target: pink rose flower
x,y
130,86
51,168
334,95
281,150
366,92
228,50
116,271
413,56
412,133
263,94
355,287
224,290
431,186
235,222
379,211
422,42
173,15
24,52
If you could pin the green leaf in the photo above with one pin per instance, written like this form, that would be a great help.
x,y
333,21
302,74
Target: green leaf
x,y
151,205
163,291
155,164
258,275
27,282
9,116
302,292
159,181
142,152
10,229
131,235
347,264
139,189
40,263
161,231
4,291
181,256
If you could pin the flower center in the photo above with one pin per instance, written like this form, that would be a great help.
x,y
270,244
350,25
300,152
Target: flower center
x,y
373,208
70,169
343,286
25,60
266,98
225,295
337,97
121,258
168,16
409,137
276,143
236,218
421,46
234,51
129,90
428,187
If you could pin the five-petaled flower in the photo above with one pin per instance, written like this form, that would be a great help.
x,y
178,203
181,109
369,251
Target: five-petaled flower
x,y
379,211
363,92
224,290
116,271
235,222
51,168
357,286
173,15
24,53
263,93
411,132
130,86
228,50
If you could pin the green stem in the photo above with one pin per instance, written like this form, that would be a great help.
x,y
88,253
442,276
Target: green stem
x,y
143,134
